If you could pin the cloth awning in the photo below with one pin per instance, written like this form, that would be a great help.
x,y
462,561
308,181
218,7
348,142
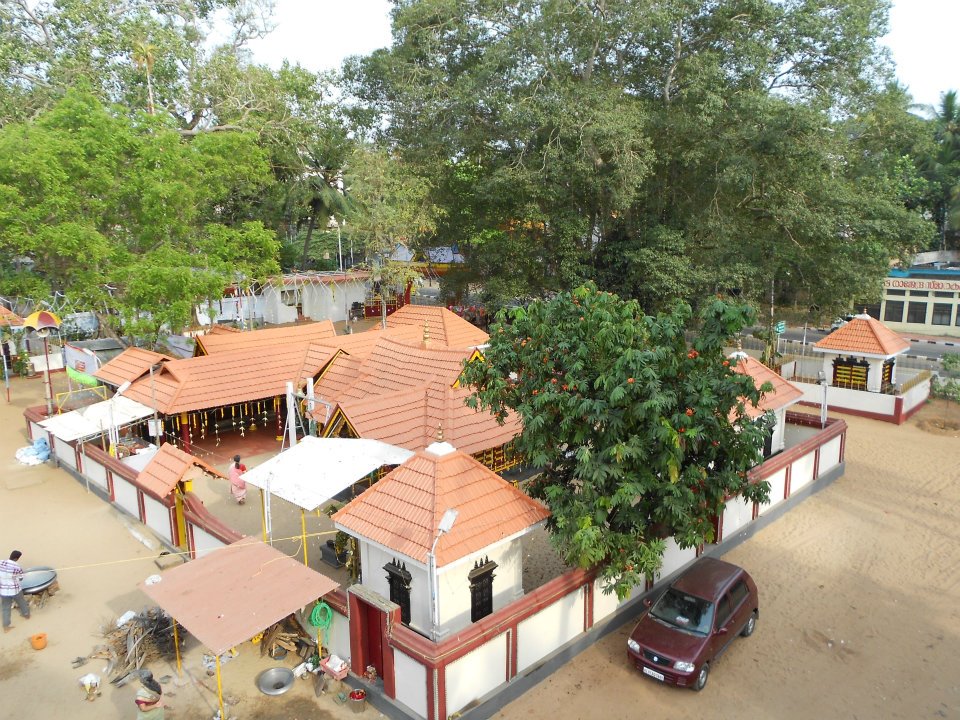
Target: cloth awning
x,y
95,419
231,594
316,469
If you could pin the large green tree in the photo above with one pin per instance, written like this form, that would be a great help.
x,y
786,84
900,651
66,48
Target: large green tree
x,y
637,436
666,149
125,216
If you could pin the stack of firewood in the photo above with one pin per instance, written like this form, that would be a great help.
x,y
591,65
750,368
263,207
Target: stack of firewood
x,y
132,645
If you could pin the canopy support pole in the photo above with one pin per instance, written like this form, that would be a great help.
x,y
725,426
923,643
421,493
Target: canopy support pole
x,y
176,647
220,690
303,533
263,515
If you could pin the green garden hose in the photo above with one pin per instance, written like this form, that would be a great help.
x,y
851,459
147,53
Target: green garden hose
x,y
321,617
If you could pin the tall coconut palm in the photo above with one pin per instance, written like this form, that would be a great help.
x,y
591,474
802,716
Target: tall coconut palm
x,y
323,182
144,54
942,166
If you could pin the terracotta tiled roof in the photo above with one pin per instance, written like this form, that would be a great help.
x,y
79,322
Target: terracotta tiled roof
x,y
403,510
361,344
445,328
169,466
784,392
8,318
394,365
864,335
225,378
129,365
336,377
411,419
221,341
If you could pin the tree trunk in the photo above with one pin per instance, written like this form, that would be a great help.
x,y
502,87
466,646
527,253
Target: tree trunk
x,y
306,241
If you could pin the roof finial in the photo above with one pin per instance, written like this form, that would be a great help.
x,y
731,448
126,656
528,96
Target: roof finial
x,y
439,432
426,334
739,344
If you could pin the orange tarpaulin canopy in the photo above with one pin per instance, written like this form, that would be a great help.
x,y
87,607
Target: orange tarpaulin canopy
x,y
235,592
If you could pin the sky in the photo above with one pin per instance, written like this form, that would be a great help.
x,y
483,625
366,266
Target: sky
x,y
319,34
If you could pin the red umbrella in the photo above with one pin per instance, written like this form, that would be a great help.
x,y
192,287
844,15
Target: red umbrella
x,y
41,320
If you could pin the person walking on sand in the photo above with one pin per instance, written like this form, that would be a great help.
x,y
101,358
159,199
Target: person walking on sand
x,y
11,575
238,488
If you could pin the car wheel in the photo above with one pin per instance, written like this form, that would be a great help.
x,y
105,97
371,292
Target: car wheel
x,y
750,626
702,678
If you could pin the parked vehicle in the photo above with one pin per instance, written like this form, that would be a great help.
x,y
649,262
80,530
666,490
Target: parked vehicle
x,y
693,622
841,321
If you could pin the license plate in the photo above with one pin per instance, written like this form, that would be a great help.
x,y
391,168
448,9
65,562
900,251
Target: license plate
x,y
653,673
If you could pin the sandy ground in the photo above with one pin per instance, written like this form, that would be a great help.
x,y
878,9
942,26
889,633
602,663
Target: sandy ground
x,y
859,600
51,518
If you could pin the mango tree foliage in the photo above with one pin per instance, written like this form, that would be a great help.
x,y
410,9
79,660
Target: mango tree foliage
x,y
161,288
637,436
92,195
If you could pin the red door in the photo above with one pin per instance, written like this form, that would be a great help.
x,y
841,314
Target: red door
x,y
373,625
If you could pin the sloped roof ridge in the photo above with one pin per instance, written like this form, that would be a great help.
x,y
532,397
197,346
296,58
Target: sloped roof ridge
x,y
879,340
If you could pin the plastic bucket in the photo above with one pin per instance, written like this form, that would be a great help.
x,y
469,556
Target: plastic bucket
x,y
38,641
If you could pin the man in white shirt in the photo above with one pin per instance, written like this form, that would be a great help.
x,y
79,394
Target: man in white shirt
x,y
11,575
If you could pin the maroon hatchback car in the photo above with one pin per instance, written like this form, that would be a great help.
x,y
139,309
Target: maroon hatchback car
x,y
693,622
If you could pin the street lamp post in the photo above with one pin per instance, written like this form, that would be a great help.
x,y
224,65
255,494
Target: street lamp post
x,y
446,522
331,224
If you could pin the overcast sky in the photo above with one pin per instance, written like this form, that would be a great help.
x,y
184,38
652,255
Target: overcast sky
x,y
320,33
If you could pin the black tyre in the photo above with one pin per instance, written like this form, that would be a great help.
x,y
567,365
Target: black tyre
x,y
750,626
702,677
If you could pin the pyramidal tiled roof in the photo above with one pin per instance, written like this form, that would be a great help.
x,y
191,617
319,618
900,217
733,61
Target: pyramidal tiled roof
x,y
403,510
129,365
444,327
8,318
169,466
220,340
411,418
225,378
784,392
864,335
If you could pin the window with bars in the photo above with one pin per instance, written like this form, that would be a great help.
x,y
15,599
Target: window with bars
x,y
850,373
499,458
916,312
942,313
893,311
398,577
481,589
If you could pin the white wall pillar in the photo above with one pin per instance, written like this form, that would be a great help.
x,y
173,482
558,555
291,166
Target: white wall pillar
x,y
874,374
828,367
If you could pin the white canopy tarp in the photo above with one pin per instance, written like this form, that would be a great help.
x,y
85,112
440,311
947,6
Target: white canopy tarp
x,y
95,419
316,469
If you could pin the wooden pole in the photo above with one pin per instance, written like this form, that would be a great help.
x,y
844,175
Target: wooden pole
x,y
220,690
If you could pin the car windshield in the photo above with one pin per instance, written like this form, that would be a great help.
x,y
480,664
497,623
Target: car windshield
x,y
683,611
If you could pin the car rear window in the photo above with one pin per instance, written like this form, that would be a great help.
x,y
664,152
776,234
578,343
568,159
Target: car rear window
x,y
683,611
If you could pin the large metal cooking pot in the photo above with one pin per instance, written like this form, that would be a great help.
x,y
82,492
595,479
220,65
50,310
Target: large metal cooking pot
x,y
275,681
37,579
